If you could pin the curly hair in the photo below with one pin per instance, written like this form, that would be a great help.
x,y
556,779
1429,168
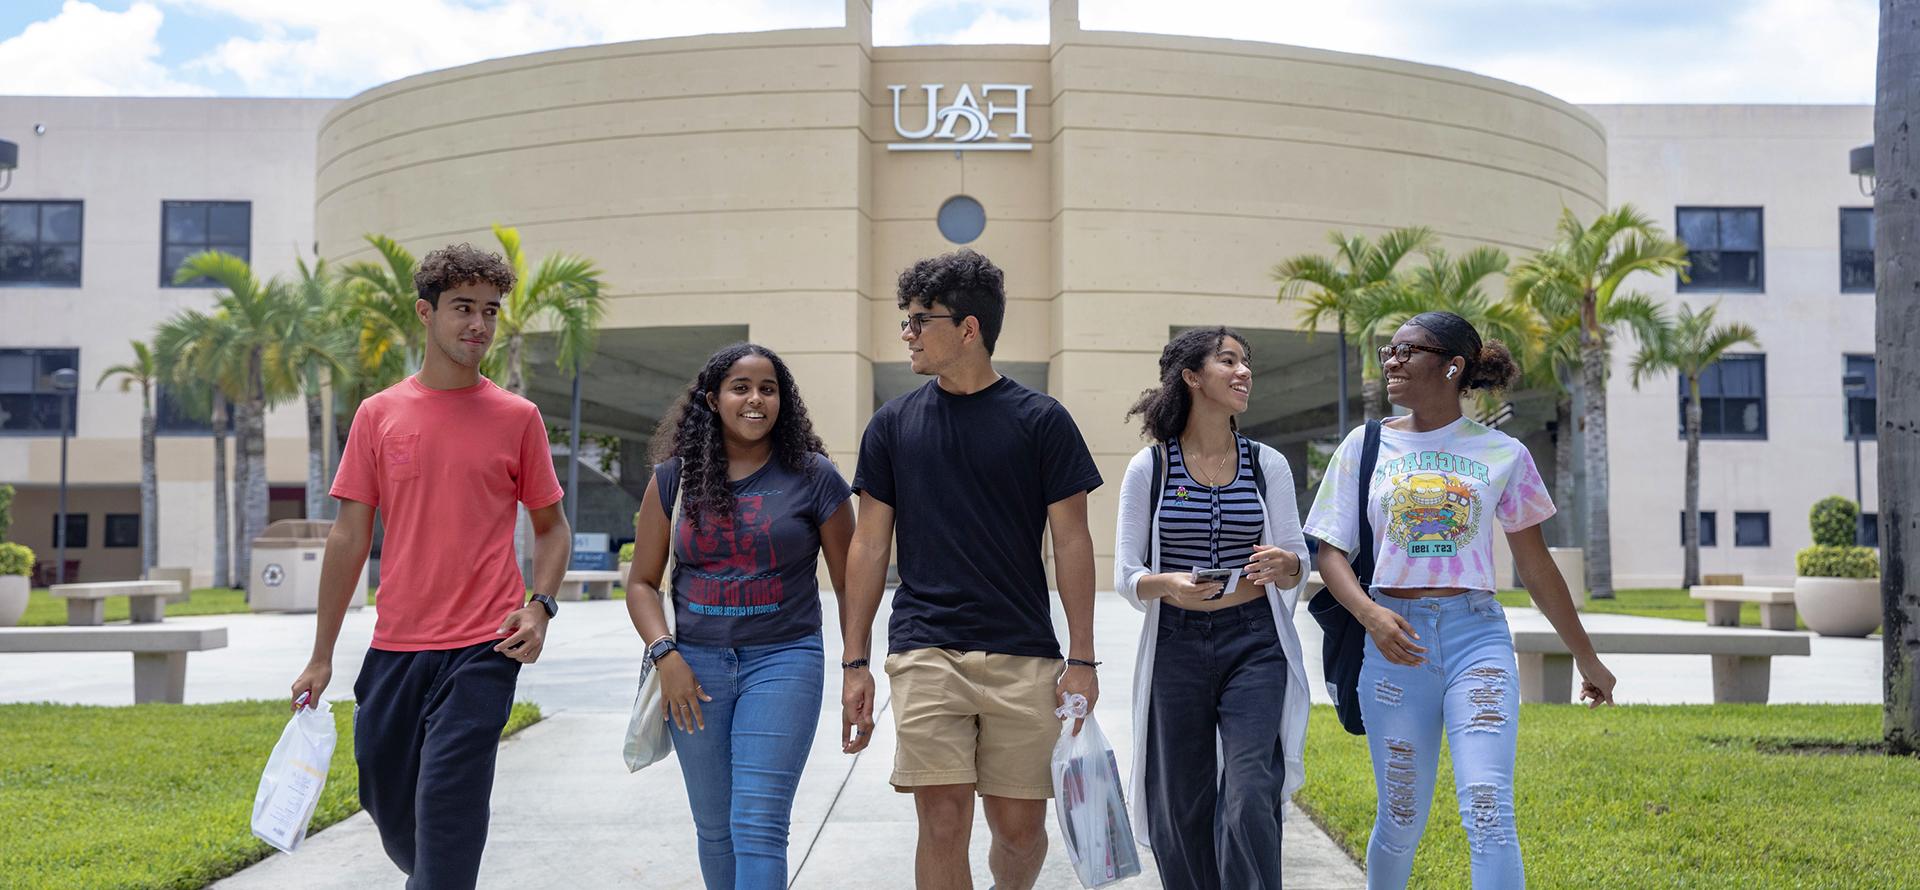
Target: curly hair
x,y
963,281
692,432
1164,408
458,264
1490,365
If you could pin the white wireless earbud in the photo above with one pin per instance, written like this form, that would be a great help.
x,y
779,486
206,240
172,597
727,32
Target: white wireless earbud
x,y
1451,372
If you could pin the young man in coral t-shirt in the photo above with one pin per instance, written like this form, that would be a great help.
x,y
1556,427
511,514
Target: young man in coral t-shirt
x,y
444,456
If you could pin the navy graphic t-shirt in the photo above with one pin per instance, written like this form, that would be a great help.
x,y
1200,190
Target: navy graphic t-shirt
x,y
969,478
749,579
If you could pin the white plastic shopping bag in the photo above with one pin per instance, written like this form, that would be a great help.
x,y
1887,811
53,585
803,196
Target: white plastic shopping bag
x,y
296,772
1087,798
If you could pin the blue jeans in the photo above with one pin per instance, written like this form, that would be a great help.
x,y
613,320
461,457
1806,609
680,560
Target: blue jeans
x,y
1468,688
742,770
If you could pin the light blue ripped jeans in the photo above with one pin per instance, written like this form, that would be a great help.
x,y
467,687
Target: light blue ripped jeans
x,y
1468,688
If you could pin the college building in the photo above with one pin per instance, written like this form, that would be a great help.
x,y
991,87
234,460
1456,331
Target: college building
x,y
771,186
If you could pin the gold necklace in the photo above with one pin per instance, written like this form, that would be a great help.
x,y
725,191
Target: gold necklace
x,y
1209,480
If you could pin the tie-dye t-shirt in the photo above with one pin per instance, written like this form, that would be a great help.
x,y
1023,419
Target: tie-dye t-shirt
x,y
1428,502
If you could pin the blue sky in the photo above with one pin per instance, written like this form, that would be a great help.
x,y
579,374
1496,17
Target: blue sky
x,y
1816,51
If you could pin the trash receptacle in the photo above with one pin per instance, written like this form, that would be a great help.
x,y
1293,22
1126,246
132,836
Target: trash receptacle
x,y
286,567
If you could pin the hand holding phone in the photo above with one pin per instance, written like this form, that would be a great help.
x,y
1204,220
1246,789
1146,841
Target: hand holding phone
x,y
1228,579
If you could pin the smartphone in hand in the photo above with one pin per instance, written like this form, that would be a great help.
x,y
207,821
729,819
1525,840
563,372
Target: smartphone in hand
x,y
1228,578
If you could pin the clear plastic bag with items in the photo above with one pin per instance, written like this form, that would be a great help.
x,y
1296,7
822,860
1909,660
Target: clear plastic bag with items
x,y
1088,800
296,773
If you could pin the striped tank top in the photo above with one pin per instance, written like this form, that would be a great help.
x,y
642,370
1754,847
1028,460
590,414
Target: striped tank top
x,y
1204,527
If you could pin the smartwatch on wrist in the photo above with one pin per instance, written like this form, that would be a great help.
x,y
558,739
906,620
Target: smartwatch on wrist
x,y
660,648
546,602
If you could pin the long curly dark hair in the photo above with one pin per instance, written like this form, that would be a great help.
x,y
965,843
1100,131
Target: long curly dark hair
x,y
692,432
1164,408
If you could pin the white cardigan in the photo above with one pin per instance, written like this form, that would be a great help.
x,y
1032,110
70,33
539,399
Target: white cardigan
x,y
1132,540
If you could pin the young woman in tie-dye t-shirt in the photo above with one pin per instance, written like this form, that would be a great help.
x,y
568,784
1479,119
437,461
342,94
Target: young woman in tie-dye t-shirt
x,y
1439,655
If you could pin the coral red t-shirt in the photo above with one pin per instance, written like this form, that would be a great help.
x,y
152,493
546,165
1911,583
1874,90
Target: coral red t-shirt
x,y
444,468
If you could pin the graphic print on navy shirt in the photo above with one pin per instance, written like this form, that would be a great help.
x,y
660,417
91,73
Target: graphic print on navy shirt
x,y
730,569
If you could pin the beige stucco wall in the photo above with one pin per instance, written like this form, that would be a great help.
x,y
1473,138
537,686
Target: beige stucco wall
x,y
1792,162
122,158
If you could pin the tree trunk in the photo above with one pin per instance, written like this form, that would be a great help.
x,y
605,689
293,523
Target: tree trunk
x,y
149,493
1896,214
242,476
255,440
316,448
522,523
1563,470
1373,390
222,561
1593,380
1690,523
516,380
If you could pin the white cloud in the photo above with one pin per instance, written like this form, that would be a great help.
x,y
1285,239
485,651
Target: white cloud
x,y
88,51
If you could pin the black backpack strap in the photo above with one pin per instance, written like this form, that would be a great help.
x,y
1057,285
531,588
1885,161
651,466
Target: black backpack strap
x,y
1259,472
1153,500
1369,457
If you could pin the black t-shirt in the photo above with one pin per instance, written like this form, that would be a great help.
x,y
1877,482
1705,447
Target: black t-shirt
x,y
969,479
749,580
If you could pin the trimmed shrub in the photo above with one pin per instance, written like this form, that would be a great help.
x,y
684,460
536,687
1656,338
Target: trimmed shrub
x,y
1833,520
16,559
6,509
626,552
1837,562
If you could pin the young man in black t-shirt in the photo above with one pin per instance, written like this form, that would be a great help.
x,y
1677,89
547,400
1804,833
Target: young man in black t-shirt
x,y
971,469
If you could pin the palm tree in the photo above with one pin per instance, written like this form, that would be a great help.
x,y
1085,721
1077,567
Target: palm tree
x,y
1688,345
1896,268
1331,287
193,354
319,339
1456,285
258,313
563,293
142,371
1580,277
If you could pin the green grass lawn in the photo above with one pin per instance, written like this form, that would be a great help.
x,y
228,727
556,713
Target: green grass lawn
x,y
1692,796
149,796
1651,602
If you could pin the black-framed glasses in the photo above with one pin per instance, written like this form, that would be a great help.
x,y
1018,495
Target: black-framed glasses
x,y
1404,351
919,320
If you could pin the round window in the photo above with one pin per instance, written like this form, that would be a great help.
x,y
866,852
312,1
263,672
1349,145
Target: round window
x,y
962,219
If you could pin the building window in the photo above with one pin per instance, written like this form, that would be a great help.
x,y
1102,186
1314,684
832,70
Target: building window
x,y
76,530
962,219
177,413
190,227
1733,398
1724,249
1707,536
123,530
1860,408
40,243
1869,529
1856,250
1752,530
29,404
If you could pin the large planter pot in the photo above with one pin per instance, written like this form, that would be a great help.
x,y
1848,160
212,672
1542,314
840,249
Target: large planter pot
x,y
1572,563
625,568
1838,607
13,599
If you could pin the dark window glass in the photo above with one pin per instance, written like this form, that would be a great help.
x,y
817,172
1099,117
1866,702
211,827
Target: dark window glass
x,y
1869,529
29,403
190,227
961,219
1733,398
1861,408
40,243
1856,249
1707,536
1725,246
178,413
123,530
1752,530
76,530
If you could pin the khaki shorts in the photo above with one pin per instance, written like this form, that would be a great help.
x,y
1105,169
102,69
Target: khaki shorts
x,y
974,718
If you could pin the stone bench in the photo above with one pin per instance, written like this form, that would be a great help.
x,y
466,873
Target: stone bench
x,y
159,653
1723,604
595,585
87,603
1742,659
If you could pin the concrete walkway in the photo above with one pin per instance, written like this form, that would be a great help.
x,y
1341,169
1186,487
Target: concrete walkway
x,y
566,812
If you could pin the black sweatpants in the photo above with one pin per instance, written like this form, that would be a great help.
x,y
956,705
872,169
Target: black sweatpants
x,y
1216,825
426,729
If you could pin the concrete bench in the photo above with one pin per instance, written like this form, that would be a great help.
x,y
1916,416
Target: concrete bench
x,y
595,585
159,653
1742,659
87,603
1723,604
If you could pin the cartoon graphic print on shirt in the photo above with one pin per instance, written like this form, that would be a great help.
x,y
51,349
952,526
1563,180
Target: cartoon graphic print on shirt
x,y
737,546
1432,511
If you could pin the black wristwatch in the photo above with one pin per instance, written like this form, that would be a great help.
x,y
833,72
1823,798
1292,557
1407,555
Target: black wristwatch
x,y
660,648
546,602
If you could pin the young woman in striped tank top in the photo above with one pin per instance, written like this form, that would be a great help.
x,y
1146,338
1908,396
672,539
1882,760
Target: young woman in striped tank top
x,y
1220,694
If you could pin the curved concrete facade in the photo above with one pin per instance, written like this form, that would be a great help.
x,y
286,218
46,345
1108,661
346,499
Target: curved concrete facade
x,y
736,185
